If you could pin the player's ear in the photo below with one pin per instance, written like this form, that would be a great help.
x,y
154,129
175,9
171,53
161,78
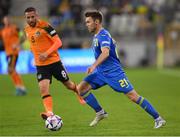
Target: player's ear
x,y
96,21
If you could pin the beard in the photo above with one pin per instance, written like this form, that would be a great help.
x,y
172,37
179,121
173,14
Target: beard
x,y
32,24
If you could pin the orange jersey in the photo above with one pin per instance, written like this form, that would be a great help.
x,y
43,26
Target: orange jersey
x,y
10,38
40,38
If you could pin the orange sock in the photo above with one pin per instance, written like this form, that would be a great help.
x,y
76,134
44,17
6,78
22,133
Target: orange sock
x,y
19,80
81,100
16,78
48,103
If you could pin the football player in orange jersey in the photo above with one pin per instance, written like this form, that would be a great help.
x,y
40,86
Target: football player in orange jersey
x,y
11,44
44,43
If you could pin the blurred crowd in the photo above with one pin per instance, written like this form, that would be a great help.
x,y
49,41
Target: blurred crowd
x,y
124,18
4,10
121,16
4,7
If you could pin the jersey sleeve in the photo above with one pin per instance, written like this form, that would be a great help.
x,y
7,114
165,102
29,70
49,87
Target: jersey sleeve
x,y
104,41
50,30
0,34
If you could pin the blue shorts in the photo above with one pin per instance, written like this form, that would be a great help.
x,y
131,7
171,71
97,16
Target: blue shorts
x,y
117,81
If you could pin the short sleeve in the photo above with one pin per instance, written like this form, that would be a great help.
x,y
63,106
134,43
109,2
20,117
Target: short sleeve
x,y
104,40
50,30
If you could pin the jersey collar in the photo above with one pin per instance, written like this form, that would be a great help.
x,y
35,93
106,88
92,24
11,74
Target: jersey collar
x,y
98,32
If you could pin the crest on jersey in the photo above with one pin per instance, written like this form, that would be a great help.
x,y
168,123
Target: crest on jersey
x,y
37,34
95,42
39,76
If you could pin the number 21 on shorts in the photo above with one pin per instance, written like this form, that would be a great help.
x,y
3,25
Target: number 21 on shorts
x,y
123,83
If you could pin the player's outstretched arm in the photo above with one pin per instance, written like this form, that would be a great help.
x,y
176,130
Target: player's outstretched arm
x,y
57,44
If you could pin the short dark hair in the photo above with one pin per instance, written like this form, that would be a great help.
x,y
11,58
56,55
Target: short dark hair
x,y
95,15
29,9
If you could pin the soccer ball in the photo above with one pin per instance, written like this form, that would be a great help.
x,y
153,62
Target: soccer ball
x,y
54,123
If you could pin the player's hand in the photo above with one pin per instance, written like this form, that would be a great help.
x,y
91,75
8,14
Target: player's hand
x,y
91,69
43,56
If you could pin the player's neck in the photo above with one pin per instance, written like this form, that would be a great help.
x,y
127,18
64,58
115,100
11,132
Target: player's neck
x,y
98,30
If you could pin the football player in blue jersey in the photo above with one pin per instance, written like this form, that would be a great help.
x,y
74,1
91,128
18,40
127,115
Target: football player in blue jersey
x,y
107,70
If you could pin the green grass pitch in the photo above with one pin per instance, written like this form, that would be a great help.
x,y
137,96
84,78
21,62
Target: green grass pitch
x,y
19,116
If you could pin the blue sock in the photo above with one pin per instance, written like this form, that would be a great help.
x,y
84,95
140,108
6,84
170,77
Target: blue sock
x,y
147,107
91,101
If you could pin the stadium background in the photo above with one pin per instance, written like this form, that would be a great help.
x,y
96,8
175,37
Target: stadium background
x,y
139,27
148,37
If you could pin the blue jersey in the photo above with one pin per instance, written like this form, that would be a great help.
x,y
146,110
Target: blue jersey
x,y
110,71
112,63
